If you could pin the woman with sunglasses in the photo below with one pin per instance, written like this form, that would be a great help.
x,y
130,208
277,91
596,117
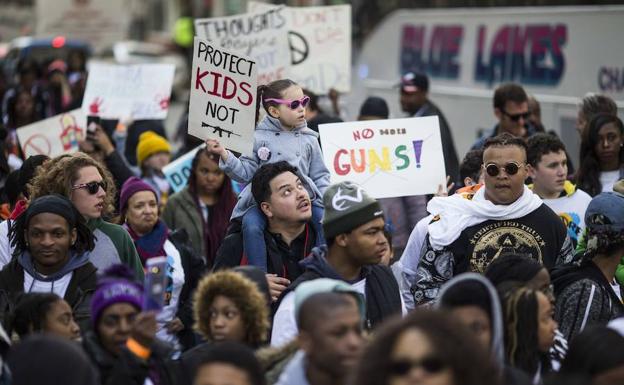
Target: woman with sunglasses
x,y
91,189
426,348
281,136
602,155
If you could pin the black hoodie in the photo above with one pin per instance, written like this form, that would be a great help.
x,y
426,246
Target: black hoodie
x,y
383,299
584,298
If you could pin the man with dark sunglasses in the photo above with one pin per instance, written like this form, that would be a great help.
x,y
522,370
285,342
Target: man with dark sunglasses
x,y
467,232
511,108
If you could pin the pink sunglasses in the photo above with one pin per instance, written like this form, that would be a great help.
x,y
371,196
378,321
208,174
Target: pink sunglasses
x,y
293,104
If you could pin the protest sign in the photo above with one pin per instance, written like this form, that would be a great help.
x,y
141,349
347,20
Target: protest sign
x,y
388,158
178,171
223,97
260,36
139,91
101,23
320,45
54,136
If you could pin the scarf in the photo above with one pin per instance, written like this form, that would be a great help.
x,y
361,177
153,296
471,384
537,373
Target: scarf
x,y
455,213
151,244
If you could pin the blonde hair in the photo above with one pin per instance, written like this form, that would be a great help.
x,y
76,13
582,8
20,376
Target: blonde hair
x,y
240,290
59,175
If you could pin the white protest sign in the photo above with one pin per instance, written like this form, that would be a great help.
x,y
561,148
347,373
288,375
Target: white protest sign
x,y
259,35
140,91
54,136
320,45
223,97
178,171
388,158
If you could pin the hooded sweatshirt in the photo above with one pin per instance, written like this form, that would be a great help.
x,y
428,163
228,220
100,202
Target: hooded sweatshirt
x,y
299,147
57,282
584,298
75,282
511,375
376,283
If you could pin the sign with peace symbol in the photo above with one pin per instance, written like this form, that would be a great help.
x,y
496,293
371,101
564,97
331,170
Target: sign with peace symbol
x,y
299,48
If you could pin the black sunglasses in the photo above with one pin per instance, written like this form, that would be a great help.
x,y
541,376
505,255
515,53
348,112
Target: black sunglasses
x,y
92,187
431,365
516,117
510,168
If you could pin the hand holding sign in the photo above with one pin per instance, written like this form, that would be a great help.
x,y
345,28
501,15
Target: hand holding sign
x,y
223,97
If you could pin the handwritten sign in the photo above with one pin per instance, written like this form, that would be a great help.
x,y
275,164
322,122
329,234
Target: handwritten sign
x,y
223,97
128,91
54,136
178,171
320,45
388,158
258,35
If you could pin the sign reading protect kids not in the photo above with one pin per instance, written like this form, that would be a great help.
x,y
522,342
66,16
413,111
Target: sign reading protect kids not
x,y
388,158
223,97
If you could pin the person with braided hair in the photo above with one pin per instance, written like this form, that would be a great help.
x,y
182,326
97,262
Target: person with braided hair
x,y
51,242
529,329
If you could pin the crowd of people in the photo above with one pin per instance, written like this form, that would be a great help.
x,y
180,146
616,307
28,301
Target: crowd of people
x,y
512,276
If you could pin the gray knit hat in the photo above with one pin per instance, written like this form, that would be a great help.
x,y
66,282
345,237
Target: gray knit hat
x,y
347,206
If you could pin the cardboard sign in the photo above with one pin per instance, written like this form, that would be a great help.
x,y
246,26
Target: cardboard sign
x,y
139,91
54,136
320,45
223,97
388,158
178,171
258,35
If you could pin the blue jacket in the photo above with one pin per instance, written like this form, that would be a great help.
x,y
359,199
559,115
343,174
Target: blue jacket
x,y
298,147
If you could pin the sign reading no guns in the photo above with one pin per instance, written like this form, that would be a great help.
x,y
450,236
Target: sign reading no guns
x,y
223,97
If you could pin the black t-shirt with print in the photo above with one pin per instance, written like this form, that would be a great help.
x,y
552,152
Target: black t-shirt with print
x,y
540,235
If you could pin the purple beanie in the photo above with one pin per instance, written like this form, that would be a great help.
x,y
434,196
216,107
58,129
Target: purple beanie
x,y
115,286
132,186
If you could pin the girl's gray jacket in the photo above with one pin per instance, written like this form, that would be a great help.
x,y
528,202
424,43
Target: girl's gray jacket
x,y
298,147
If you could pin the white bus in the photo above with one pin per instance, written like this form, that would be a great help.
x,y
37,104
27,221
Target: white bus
x,y
557,53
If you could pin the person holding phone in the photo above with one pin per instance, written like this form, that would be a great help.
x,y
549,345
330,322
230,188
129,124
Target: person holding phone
x,y
138,207
122,343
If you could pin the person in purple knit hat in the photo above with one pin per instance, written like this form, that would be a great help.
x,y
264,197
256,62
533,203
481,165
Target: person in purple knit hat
x,y
138,208
123,343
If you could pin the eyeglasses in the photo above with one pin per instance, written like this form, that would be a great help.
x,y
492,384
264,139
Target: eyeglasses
x,y
293,104
92,187
431,365
516,117
510,168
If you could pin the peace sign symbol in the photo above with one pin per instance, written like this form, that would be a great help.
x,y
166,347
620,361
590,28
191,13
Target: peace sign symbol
x,y
299,48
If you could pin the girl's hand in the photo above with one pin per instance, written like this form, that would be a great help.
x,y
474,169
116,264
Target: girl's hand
x,y
214,147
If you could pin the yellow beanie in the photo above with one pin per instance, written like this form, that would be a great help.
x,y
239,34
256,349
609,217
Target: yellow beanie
x,y
150,143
